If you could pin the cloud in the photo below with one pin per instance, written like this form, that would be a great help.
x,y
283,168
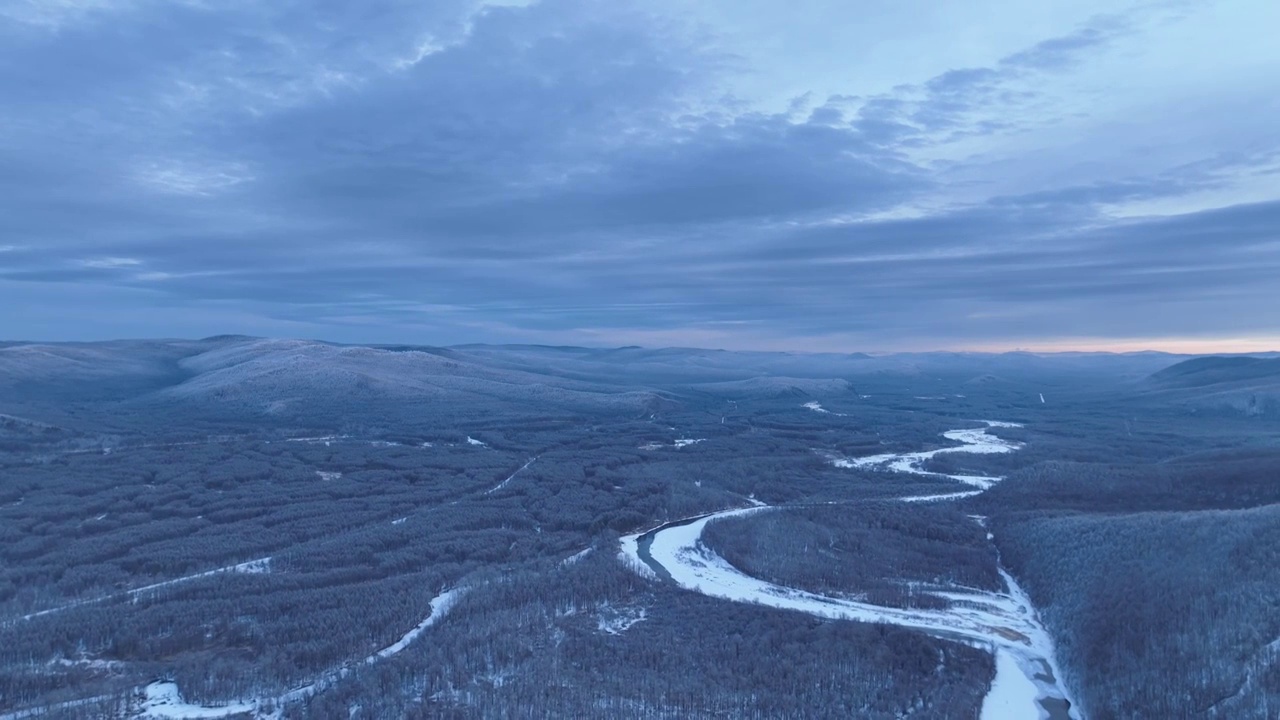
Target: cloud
x,y
186,178
110,263
574,171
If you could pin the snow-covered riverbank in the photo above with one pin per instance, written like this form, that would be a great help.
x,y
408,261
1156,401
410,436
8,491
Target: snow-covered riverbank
x,y
976,440
1025,685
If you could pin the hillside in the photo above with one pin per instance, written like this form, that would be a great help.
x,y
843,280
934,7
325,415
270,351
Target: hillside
x,y
1249,385
1216,370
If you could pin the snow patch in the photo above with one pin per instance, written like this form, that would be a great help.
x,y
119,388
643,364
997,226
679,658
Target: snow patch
x,y
95,664
163,701
677,443
576,557
615,621
814,406
325,475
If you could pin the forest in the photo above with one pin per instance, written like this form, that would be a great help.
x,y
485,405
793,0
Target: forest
x,y
288,546
1153,576
884,552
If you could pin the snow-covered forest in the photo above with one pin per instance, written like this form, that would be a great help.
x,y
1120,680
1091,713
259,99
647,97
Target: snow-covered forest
x,y
243,528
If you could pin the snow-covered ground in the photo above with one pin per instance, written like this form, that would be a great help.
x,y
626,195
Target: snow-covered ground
x,y
615,621
1004,622
164,702
814,406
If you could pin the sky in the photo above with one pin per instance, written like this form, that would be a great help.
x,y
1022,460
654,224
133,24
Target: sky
x,y
809,175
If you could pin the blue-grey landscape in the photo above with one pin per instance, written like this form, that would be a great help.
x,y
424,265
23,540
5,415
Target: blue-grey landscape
x,y
615,359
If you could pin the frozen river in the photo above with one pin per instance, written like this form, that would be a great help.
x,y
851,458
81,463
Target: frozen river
x,y
1026,683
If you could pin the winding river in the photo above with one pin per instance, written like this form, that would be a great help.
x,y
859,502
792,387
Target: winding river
x,y
1026,684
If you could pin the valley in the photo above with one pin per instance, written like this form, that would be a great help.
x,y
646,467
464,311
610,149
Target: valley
x,y
247,528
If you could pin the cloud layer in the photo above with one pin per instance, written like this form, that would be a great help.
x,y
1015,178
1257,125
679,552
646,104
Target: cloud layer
x,y
600,172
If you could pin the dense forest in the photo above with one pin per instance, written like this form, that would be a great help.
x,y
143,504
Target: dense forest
x,y
1159,614
884,552
1154,576
190,515
593,640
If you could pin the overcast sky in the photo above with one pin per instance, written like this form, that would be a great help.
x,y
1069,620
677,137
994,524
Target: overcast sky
x,y
807,175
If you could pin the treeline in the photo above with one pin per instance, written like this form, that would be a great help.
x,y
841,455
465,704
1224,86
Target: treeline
x,y
881,551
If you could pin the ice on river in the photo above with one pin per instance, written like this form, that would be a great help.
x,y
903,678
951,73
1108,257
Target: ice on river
x,y
1013,695
694,566
975,440
1026,679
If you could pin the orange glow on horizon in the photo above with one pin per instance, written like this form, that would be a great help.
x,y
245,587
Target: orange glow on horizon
x,y
1181,346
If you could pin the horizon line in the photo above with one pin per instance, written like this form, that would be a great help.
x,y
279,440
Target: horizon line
x,y
1095,346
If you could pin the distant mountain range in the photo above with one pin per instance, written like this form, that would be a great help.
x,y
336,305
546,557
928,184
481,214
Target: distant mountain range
x,y
237,376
